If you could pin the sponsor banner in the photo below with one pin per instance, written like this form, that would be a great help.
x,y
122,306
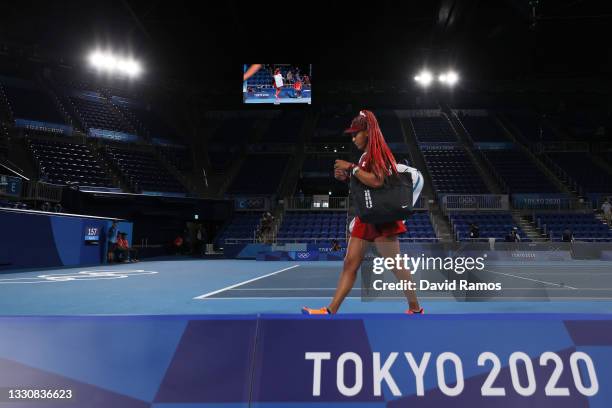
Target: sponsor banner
x,y
509,360
164,194
438,145
45,126
326,248
304,255
251,203
494,145
535,256
541,201
113,135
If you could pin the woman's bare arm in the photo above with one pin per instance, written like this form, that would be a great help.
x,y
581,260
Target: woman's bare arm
x,y
367,178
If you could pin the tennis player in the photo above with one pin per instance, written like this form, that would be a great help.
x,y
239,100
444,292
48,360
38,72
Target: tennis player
x,y
375,164
278,82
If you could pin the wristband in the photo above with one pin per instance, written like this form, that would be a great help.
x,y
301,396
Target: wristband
x,y
355,169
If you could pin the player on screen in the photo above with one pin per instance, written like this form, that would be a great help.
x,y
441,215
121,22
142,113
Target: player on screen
x,y
297,88
278,82
375,164
251,71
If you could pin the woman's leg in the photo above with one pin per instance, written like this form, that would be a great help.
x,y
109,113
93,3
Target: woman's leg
x,y
388,247
354,255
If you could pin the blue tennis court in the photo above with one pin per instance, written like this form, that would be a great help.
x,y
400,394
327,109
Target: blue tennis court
x,y
188,286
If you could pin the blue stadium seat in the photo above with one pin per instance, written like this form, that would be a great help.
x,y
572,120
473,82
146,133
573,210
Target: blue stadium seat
x,y
63,162
142,170
584,226
433,129
453,172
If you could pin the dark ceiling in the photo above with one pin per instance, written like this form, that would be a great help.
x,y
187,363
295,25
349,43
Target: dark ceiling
x,y
206,41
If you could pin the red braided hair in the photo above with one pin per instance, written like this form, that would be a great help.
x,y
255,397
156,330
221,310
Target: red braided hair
x,y
379,158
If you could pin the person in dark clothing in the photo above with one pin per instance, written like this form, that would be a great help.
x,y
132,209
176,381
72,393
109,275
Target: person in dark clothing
x,y
474,231
123,248
567,235
112,242
513,236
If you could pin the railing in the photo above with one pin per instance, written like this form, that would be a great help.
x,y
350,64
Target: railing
x,y
324,203
561,173
295,240
583,239
319,147
418,239
12,168
475,202
307,240
239,240
316,203
494,171
41,191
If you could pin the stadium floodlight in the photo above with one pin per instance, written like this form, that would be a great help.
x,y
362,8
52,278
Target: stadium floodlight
x,y
424,78
107,61
449,78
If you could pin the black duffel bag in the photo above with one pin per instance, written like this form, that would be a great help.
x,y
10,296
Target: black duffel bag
x,y
391,202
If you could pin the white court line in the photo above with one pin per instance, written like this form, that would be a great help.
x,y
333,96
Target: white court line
x,y
262,289
561,287
287,297
242,283
529,279
501,299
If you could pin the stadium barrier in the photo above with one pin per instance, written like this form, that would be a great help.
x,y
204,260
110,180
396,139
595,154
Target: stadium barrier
x,y
97,359
487,202
547,202
37,239
324,202
493,249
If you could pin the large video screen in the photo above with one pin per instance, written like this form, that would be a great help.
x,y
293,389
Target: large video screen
x,y
277,83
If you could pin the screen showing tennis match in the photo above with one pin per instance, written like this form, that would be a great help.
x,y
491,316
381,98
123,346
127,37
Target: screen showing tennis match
x,y
277,83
